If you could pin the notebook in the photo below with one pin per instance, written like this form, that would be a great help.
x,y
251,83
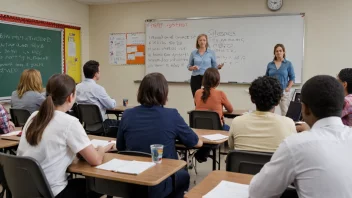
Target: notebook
x,y
215,137
125,166
226,189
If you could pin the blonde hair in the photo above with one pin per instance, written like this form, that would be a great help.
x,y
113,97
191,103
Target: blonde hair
x,y
30,80
206,37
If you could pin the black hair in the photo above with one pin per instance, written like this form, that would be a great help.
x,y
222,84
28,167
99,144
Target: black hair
x,y
324,96
345,75
90,68
153,90
266,93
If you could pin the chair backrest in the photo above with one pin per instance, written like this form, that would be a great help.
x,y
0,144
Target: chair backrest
x,y
24,176
19,116
135,153
294,111
91,117
205,120
297,95
247,162
74,112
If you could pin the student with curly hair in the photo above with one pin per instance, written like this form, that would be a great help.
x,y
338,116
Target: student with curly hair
x,y
262,130
345,77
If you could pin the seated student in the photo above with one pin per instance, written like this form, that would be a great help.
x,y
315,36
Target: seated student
x,y
151,123
209,98
261,130
53,138
6,125
29,94
318,161
89,92
345,77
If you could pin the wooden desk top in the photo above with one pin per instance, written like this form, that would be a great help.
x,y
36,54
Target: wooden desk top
x,y
213,179
151,177
8,143
91,137
233,114
119,109
201,132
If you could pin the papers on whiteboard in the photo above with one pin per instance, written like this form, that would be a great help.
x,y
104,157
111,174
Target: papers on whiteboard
x,y
124,166
226,189
215,137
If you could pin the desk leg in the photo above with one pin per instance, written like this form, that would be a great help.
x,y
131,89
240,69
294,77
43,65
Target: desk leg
x,y
214,158
219,157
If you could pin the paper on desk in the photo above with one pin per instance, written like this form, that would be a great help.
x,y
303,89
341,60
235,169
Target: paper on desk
x,y
215,137
124,166
226,189
12,133
103,143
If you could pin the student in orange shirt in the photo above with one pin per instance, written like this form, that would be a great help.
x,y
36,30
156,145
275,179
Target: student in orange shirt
x,y
209,98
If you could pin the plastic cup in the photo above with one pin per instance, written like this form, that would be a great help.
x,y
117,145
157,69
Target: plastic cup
x,y
125,102
157,152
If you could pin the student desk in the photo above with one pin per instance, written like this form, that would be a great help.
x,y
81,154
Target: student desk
x,y
234,114
118,111
8,143
213,179
119,184
208,143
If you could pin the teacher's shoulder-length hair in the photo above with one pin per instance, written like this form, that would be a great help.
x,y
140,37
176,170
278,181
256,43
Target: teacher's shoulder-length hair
x,y
153,90
206,38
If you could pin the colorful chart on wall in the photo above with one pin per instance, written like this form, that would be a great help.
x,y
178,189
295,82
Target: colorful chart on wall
x,y
127,48
73,53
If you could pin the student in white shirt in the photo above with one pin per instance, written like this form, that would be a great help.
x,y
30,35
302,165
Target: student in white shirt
x,y
89,92
53,138
318,161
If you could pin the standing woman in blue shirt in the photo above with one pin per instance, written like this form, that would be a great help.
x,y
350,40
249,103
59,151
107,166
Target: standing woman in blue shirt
x,y
200,60
282,69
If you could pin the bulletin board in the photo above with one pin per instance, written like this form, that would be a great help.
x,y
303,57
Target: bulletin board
x,y
73,53
127,48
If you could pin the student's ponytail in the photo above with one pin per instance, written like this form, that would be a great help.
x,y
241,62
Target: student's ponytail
x,y
59,88
35,130
211,79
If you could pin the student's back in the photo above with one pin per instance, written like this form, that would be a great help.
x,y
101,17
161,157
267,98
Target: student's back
x,y
260,131
29,93
143,126
30,100
61,140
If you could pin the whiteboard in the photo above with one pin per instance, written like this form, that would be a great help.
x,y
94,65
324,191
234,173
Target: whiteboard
x,y
245,44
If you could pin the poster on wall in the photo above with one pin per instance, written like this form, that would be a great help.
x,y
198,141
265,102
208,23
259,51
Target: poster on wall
x,y
127,48
73,53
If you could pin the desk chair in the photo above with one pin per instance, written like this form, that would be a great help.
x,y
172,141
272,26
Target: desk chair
x,y
205,120
91,118
19,116
294,111
248,162
24,177
135,153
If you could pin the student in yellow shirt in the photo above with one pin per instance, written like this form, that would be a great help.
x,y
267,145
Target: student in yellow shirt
x,y
262,130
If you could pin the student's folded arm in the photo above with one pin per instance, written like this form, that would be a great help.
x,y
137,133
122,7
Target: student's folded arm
x,y
275,176
226,103
185,134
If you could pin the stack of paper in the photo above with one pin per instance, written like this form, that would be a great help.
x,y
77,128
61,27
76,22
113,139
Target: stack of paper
x,y
226,189
12,133
124,166
215,137
102,143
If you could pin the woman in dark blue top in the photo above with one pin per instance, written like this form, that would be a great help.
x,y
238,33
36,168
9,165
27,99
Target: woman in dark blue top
x,y
282,69
151,123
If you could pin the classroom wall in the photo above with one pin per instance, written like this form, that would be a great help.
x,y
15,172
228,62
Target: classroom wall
x,y
60,11
327,40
